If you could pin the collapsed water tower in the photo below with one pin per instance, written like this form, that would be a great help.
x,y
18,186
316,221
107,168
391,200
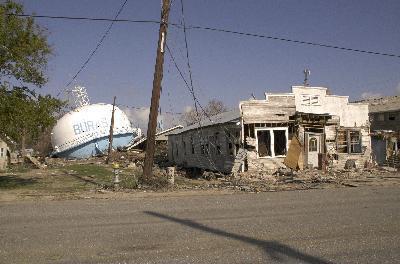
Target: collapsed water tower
x,y
84,131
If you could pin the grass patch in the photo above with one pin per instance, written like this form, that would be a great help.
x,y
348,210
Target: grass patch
x,y
91,173
19,168
75,178
89,170
102,175
8,182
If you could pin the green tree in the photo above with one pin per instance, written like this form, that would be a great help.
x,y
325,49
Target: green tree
x,y
25,115
24,50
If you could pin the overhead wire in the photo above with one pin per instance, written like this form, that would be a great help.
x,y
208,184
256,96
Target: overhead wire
x,y
205,148
221,30
95,49
143,108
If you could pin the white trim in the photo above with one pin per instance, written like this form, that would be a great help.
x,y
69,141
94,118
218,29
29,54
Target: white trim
x,y
309,87
272,140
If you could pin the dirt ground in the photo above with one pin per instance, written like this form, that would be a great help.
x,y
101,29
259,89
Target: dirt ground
x,y
94,180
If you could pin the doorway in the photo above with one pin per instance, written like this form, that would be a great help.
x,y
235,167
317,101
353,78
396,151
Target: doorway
x,y
313,148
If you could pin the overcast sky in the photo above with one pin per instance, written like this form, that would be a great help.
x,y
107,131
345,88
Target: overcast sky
x,y
225,66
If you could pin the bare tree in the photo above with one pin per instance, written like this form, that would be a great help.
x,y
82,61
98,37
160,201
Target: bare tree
x,y
213,107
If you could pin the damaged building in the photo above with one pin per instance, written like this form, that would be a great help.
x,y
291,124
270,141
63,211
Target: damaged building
x,y
305,128
211,144
384,115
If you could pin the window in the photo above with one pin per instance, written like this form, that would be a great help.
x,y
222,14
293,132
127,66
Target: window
x,y
264,143
272,142
392,117
313,144
202,151
2,152
236,148
307,99
230,148
380,117
219,150
355,141
349,141
280,142
216,144
192,145
184,147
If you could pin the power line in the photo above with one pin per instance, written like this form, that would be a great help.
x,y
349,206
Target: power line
x,y
221,30
96,48
188,61
183,77
143,108
191,88
295,41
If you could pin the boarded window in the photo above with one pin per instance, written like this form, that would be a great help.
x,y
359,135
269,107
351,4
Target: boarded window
x,y
264,143
355,141
307,99
349,141
342,141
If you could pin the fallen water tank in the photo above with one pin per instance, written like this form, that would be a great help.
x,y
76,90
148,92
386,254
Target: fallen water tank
x,y
84,132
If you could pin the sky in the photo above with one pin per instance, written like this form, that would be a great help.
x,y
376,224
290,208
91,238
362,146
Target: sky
x,y
225,66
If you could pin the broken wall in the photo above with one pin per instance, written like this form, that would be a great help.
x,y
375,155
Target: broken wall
x,y
340,147
265,123
209,148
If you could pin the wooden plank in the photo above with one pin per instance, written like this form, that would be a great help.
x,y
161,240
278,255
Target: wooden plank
x,y
294,157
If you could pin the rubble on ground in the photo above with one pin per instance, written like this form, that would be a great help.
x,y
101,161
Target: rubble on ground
x,y
286,179
281,179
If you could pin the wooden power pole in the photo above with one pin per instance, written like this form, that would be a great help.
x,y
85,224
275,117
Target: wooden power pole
x,y
155,96
110,138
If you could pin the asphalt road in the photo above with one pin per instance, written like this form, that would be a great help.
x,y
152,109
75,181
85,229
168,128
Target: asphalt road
x,y
346,225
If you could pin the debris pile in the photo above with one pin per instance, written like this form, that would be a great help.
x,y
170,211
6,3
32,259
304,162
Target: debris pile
x,y
286,179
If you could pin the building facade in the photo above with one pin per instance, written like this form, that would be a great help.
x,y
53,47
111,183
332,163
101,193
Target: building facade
x,y
304,128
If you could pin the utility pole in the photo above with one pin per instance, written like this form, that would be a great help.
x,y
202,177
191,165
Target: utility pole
x,y
155,96
110,137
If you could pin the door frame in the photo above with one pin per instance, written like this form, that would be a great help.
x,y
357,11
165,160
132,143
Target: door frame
x,y
320,145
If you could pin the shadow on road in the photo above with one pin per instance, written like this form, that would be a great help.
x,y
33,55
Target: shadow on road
x,y
274,249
